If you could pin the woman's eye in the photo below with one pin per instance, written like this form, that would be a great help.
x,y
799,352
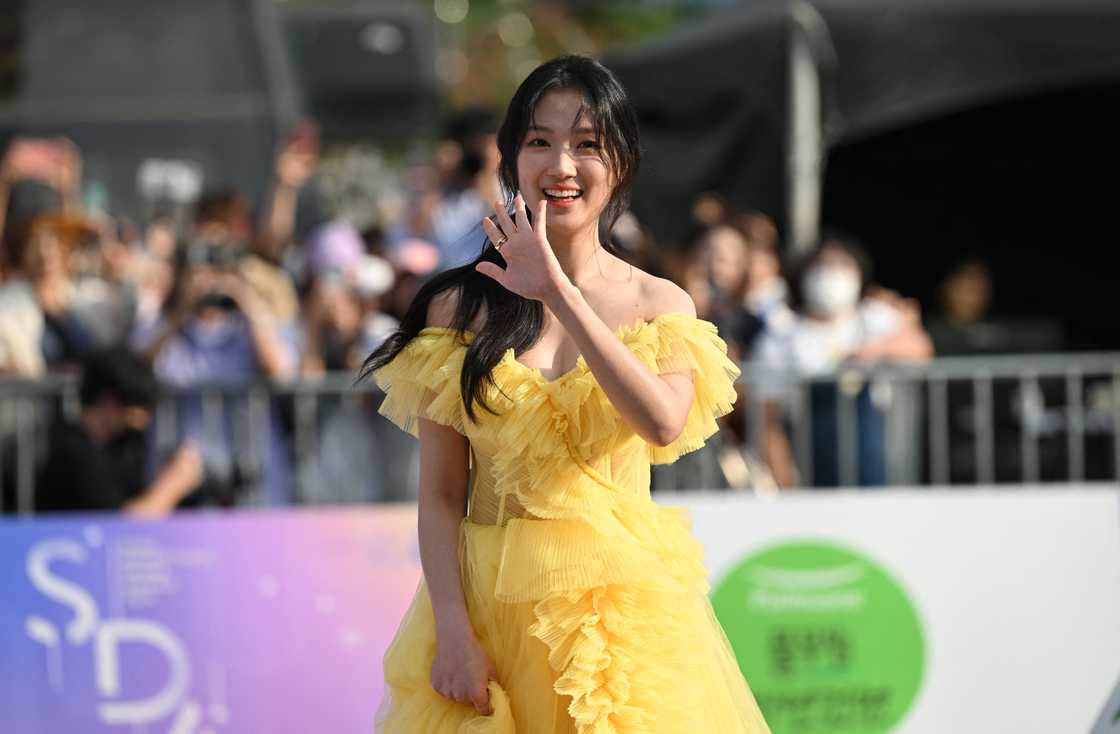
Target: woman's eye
x,y
536,142
590,144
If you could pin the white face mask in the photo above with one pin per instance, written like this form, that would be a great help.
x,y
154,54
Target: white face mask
x,y
830,290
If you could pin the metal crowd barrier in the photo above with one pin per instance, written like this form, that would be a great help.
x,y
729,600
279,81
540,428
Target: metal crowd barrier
x,y
963,420
264,443
954,421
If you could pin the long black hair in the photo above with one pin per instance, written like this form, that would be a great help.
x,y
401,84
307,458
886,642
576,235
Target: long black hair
x,y
511,320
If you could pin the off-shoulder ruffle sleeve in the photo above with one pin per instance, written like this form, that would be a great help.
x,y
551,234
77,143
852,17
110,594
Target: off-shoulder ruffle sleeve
x,y
683,343
422,381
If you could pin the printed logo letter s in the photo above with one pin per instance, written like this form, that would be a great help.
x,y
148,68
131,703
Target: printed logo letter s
x,y
82,626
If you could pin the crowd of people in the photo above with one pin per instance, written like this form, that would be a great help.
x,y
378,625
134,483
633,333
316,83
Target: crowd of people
x,y
244,296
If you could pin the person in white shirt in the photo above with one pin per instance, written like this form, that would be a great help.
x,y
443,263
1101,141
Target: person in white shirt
x,y
841,320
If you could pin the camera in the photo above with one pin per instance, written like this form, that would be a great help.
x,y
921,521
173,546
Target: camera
x,y
223,256
216,299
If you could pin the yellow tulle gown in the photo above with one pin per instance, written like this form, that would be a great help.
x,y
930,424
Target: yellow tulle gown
x,y
590,598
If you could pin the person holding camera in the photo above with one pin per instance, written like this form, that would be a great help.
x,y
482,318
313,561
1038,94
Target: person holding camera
x,y
213,317
216,329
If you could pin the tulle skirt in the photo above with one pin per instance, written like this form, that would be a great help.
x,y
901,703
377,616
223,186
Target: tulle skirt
x,y
611,659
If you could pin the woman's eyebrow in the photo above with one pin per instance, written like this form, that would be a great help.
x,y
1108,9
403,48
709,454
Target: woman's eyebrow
x,y
579,130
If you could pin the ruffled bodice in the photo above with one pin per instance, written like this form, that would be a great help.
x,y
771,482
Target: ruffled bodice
x,y
614,575
542,428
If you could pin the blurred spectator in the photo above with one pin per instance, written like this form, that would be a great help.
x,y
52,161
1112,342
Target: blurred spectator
x,y
98,463
294,208
841,320
729,251
213,319
105,274
343,321
40,325
709,209
153,271
734,274
964,297
333,248
223,217
767,295
53,162
358,458
344,302
372,280
215,327
742,287
413,261
466,163
965,325
718,285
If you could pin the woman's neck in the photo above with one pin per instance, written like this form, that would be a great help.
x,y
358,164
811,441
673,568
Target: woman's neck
x,y
576,253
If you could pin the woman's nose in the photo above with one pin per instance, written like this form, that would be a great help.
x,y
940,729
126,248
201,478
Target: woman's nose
x,y
562,164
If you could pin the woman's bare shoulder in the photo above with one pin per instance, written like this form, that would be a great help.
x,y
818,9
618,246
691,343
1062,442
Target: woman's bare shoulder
x,y
660,296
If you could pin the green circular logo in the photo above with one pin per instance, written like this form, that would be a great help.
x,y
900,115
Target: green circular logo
x,y
827,639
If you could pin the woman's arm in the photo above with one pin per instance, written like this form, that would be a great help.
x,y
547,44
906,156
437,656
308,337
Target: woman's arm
x,y
444,469
655,406
461,668
442,506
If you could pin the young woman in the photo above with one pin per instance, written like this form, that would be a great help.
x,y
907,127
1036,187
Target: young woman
x,y
547,376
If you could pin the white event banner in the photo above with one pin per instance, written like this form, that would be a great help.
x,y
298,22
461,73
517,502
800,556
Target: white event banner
x,y
920,611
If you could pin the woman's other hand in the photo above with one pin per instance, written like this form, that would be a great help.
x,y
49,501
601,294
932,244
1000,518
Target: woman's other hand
x,y
462,670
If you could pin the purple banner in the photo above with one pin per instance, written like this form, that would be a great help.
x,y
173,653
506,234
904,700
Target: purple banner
x,y
202,624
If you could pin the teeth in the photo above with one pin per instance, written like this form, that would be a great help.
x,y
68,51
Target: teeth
x,y
562,193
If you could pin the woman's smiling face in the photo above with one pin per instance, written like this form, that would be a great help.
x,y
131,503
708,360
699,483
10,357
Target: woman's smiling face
x,y
562,160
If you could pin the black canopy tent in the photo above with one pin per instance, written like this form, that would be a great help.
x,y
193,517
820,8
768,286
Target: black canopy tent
x,y
132,80
945,127
213,82
712,103
907,60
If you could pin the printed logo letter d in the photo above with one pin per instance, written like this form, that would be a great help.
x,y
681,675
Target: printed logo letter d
x,y
107,662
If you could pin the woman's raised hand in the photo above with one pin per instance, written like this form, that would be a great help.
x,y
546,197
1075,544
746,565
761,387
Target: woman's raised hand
x,y
532,270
